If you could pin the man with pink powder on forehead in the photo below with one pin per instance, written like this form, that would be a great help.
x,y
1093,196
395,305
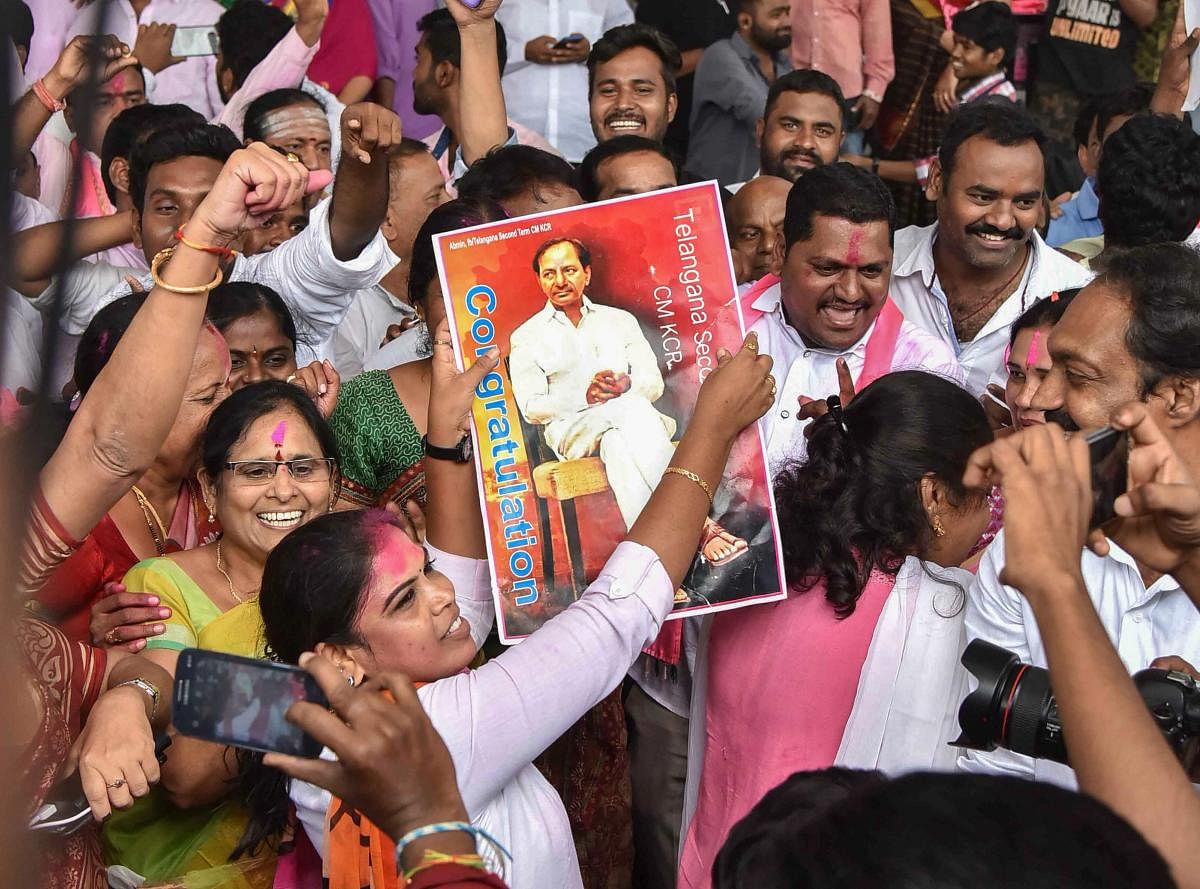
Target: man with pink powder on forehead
x,y
827,319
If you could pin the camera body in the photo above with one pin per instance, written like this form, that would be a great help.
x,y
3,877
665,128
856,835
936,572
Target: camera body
x,y
1013,707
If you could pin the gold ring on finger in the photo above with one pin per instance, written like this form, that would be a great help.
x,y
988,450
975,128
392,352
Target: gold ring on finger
x,y
293,157
116,785
291,379
752,346
112,638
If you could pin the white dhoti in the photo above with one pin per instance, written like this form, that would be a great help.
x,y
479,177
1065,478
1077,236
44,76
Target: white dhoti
x,y
633,441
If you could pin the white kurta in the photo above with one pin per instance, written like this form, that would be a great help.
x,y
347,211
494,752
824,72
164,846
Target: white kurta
x,y
552,362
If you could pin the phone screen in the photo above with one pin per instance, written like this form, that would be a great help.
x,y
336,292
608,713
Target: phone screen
x,y
568,40
198,41
1108,451
242,701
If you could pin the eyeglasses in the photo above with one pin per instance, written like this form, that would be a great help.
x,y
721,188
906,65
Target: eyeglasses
x,y
262,472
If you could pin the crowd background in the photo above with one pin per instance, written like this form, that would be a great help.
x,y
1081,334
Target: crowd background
x,y
231,419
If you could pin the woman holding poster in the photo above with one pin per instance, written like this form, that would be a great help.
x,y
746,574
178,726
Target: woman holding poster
x,y
374,601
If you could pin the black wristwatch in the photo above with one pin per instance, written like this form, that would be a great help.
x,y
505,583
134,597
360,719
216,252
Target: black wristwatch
x,y
460,453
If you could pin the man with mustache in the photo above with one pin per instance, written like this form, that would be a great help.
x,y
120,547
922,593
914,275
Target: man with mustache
x,y
732,81
1129,335
801,127
967,277
827,320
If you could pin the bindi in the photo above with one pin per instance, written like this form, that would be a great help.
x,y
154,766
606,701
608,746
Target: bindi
x,y
854,250
277,439
1031,359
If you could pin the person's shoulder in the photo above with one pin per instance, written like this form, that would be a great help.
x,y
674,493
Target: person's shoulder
x,y
1057,270
910,238
163,575
935,353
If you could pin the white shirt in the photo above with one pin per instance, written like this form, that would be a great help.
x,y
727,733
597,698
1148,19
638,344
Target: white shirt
x,y
553,99
552,362
192,82
496,719
361,333
21,338
315,284
412,345
1142,623
919,294
802,370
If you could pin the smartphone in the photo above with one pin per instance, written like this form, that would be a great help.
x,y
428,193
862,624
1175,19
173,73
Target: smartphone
x,y
568,40
242,701
198,41
1108,450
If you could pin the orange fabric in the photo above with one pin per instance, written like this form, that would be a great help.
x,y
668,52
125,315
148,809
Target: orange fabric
x,y
358,855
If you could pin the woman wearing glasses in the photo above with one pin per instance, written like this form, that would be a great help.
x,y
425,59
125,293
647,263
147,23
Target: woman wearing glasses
x,y
268,465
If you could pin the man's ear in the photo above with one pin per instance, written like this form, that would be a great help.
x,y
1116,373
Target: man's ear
x,y
445,75
933,188
1181,399
118,172
760,127
996,57
672,106
389,229
225,79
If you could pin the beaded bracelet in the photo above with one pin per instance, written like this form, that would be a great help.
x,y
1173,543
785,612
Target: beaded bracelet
x,y
449,827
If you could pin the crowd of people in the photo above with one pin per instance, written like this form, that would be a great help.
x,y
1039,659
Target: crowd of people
x,y
232,420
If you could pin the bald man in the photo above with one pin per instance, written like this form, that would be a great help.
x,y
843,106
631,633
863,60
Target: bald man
x,y
755,219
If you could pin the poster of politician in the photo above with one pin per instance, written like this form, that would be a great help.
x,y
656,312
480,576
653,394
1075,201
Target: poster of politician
x,y
608,317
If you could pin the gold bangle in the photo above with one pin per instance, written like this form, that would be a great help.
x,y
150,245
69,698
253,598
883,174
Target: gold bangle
x,y
165,254
691,476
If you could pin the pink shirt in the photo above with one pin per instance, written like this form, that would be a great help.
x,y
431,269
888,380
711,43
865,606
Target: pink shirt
x,y
396,38
782,680
347,46
850,40
283,67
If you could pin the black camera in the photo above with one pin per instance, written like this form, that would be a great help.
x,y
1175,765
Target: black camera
x,y
1014,708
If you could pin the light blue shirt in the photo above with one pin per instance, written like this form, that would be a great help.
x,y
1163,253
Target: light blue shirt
x,y
1080,217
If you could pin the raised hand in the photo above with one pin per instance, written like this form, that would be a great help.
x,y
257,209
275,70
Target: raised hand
x,y
255,182
452,392
945,91
737,393
322,383
392,765
1047,486
71,69
811,408
466,14
369,131
153,46
1159,521
310,19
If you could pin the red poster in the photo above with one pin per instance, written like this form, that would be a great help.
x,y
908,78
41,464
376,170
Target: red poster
x,y
608,317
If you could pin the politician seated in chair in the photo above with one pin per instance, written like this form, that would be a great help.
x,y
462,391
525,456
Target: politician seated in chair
x,y
586,373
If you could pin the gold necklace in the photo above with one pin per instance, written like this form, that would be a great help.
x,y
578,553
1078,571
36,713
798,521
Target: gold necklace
x,y
154,523
229,580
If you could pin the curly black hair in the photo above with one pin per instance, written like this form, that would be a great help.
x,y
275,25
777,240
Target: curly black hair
x,y
854,507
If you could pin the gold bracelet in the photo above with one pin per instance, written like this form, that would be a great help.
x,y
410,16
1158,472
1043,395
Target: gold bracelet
x,y
691,476
165,254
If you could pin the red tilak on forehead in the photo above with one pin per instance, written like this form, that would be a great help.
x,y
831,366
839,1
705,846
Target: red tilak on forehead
x,y
277,440
853,254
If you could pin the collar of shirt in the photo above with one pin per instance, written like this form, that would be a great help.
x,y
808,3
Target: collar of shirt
x,y
746,53
914,256
770,302
982,88
1165,583
552,314
1087,202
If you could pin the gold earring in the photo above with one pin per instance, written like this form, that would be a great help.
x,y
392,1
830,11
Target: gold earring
x,y
938,530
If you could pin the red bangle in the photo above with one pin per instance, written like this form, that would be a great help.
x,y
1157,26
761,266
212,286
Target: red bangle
x,y
43,95
225,253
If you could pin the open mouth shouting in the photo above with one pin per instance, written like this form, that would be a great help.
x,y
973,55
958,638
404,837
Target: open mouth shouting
x,y
842,315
